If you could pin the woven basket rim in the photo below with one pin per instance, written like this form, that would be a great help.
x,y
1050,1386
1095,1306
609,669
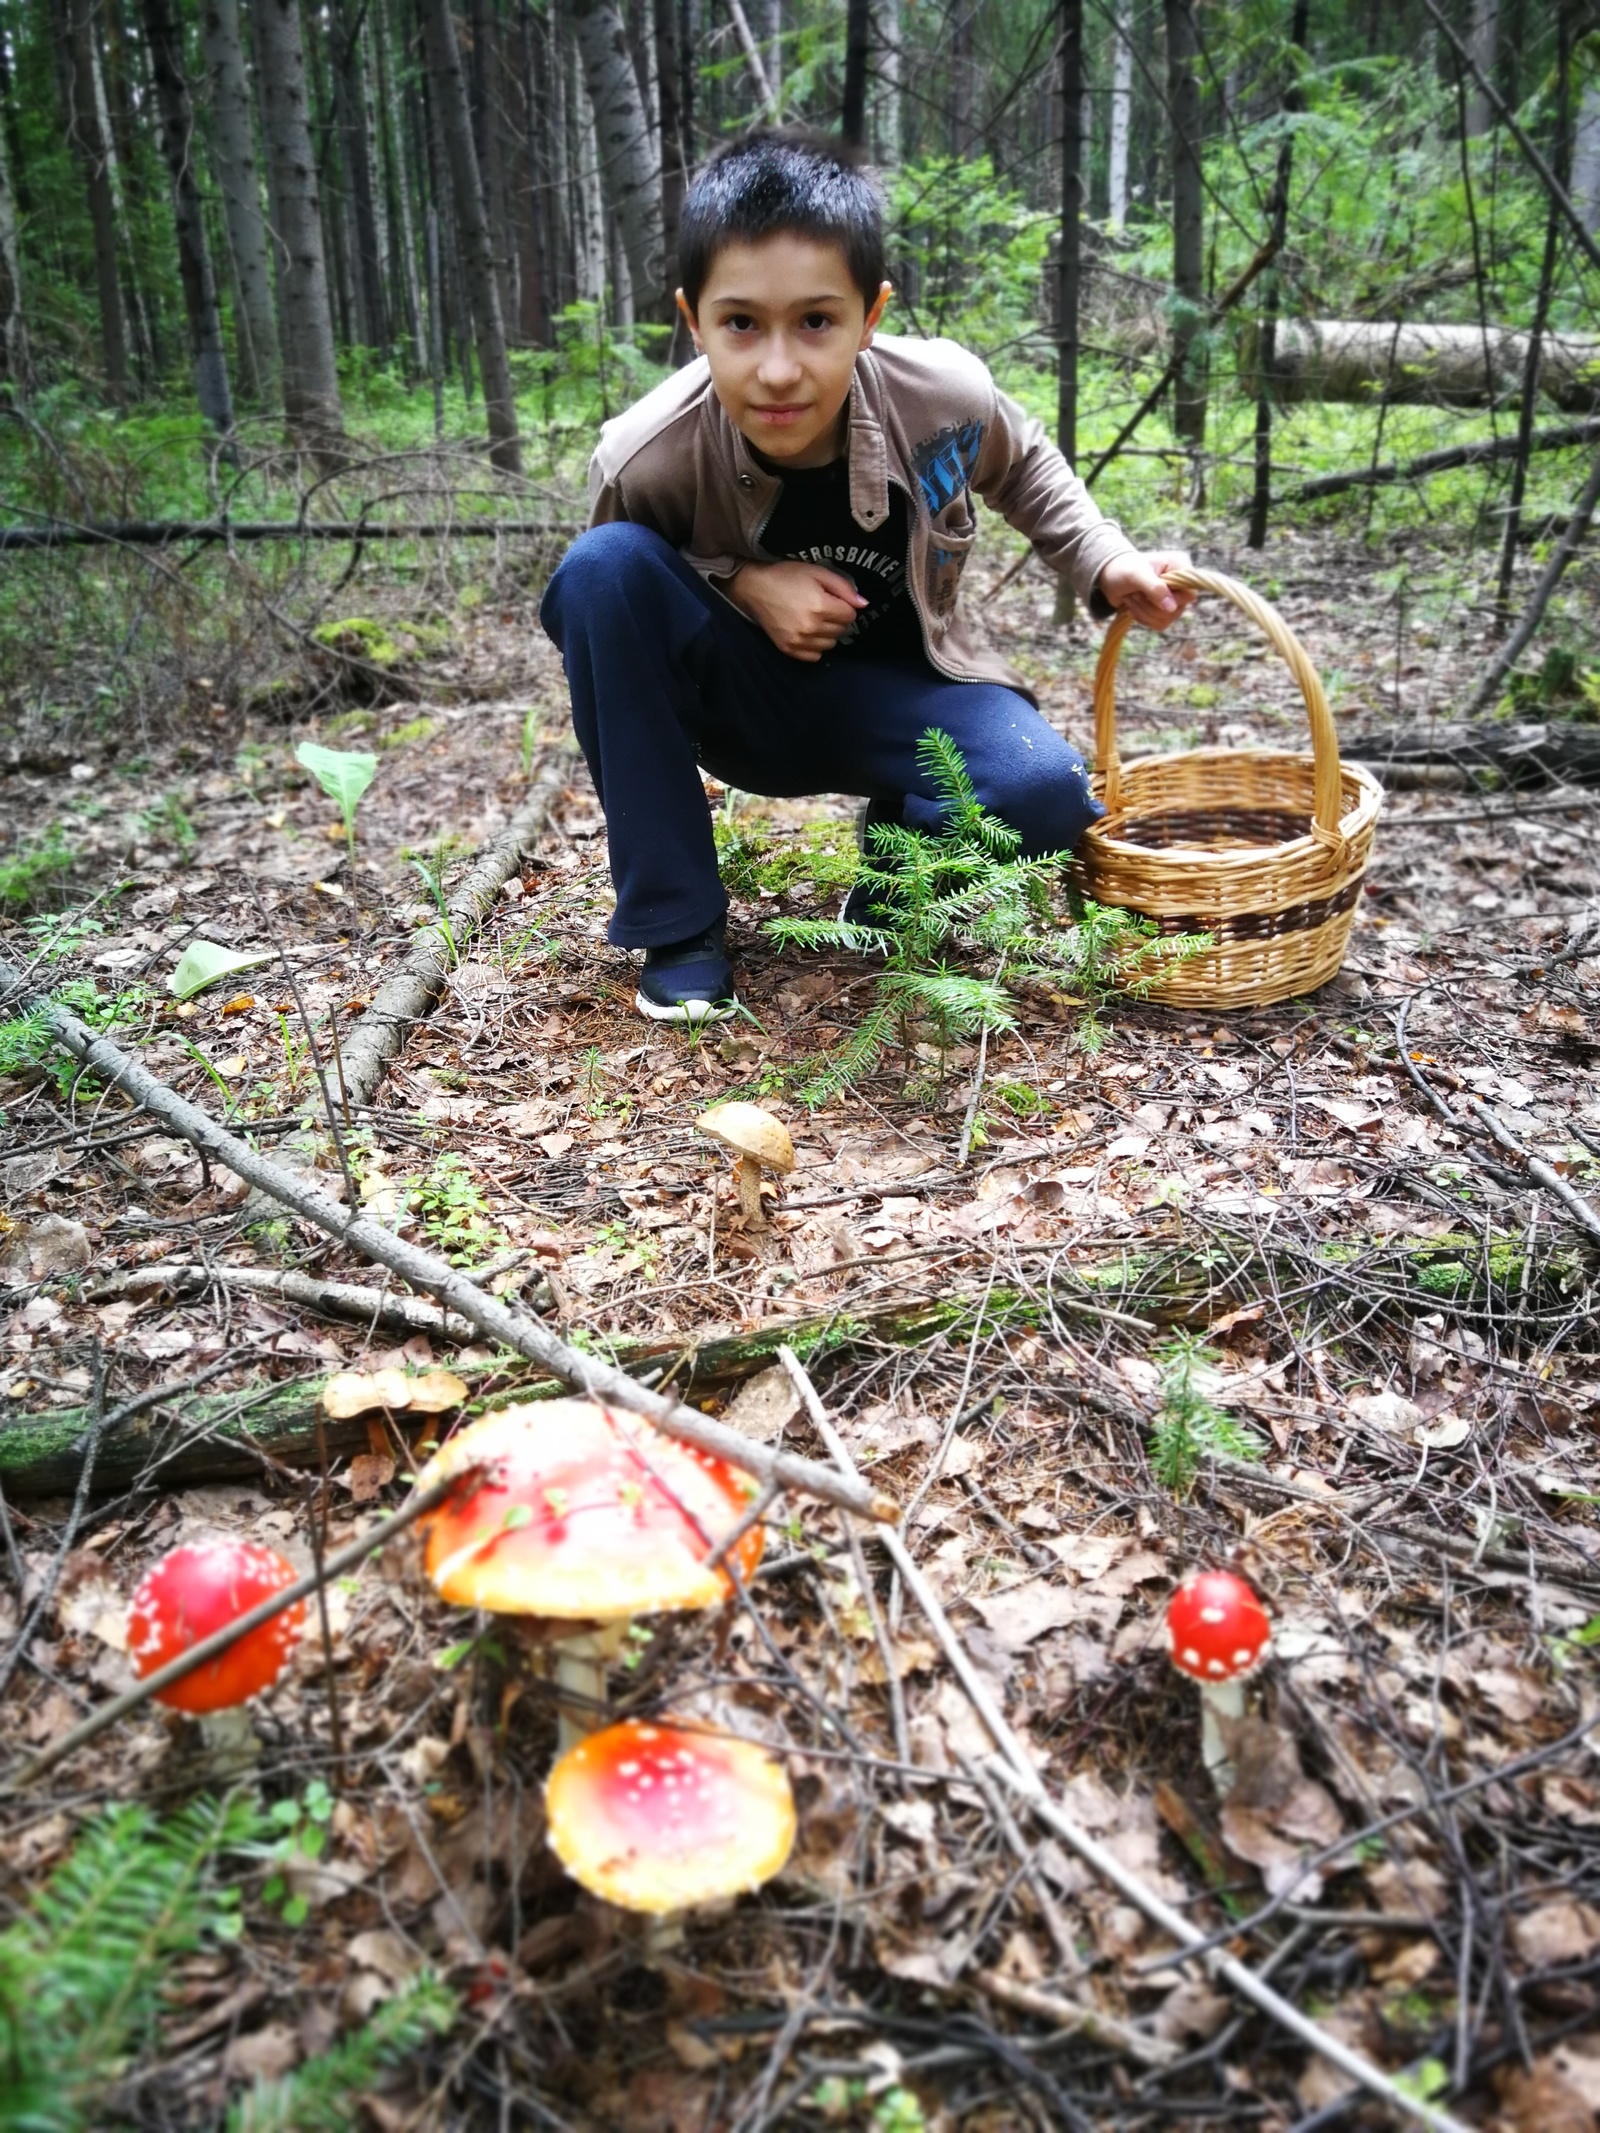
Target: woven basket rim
x,y
1352,823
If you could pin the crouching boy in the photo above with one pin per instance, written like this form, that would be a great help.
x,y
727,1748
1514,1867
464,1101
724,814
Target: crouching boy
x,y
770,586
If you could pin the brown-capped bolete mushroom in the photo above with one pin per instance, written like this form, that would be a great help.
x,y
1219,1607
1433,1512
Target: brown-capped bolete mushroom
x,y
760,1141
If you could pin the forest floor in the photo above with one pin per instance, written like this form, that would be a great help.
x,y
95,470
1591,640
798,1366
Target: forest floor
x,y
1405,1332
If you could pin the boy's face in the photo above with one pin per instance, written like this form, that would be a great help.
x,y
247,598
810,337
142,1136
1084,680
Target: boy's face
x,y
782,323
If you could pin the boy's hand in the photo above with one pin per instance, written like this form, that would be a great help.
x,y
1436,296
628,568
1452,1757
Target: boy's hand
x,y
803,608
1135,584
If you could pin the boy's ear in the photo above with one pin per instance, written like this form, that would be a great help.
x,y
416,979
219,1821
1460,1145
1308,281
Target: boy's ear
x,y
874,317
689,317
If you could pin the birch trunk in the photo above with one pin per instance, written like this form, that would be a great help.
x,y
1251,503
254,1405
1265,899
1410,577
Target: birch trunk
x,y
1121,114
233,156
1485,36
629,170
886,32
347,43
311,402
1586,157
472,228
206,350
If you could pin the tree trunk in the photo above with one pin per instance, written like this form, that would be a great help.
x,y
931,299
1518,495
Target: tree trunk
x,y
311,402
472,228
963,133
628,169
1362,361
212,389
886,114
89,136
1068,264
857,44
14,368
488,110
674,159
533,224
1188,225
346,28
233,155
1486,54
1121,115
1554,571
1543,297
1586,157
1278,218
401,187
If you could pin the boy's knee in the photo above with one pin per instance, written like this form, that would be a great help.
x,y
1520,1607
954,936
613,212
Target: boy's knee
x,y
602,565
1045,797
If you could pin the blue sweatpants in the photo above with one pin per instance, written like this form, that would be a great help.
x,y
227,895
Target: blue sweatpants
x,y
667,676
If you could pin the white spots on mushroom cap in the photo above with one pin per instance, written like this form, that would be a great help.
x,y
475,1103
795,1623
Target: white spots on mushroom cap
x,y
1191,1657
1213,1614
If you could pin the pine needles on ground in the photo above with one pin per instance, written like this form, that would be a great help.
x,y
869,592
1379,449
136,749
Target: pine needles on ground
x,y
83,1970
966,890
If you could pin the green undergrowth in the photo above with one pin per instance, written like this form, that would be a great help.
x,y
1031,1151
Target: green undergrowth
x,y
756,859
86,1970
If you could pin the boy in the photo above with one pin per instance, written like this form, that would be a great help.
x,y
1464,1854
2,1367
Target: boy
x,y
769,583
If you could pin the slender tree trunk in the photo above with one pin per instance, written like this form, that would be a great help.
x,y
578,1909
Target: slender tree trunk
x,y
399,193
766,20
88,133
1278,221
765,88
14,367
472,227
1485,38
233,155
211,386
1069,19
963,83
1188,225
534,281
311,402
1586,157
346,42
674,161
1528,408
628,169
857,45
487,113
1554,571
1121,114
886,114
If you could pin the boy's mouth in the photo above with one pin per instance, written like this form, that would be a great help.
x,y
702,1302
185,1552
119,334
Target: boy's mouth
x,y
780,414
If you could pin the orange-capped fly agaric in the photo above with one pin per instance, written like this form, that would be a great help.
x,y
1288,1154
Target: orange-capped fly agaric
x,y
200,1588
582,1514
656,1817
1217,1633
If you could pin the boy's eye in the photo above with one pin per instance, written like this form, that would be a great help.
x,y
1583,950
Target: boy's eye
x,y
739,322
815,321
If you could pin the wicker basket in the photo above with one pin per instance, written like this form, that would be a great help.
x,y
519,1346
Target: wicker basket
x,y
1262,850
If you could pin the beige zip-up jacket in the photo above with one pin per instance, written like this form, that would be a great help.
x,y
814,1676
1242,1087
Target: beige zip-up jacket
x,y
924,414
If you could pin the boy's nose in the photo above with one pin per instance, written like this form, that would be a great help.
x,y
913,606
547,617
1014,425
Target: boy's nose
x,y
779,364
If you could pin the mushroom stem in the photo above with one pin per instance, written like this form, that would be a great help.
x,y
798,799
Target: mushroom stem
x,y
232,1744
748,1173
581,1663
1219,1700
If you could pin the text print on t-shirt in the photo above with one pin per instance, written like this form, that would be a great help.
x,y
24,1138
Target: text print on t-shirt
x,y
891,569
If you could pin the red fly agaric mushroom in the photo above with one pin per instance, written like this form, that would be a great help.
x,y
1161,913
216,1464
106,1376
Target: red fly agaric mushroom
x,y
583,1514
1217,1633
758,1140
656,1817
200,1588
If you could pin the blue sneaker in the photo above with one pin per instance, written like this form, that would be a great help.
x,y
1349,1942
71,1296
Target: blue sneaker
x,y
687,981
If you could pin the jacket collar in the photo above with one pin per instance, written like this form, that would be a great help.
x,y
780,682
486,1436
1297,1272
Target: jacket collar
x,y
866,448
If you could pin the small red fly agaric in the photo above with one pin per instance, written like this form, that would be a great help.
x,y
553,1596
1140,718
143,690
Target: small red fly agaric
x,y
580,1513
656,1817
201,1588
1217,1633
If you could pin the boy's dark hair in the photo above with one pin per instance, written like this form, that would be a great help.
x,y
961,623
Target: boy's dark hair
x,y
782,180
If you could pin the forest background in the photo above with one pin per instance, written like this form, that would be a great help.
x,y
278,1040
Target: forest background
x,y
309,313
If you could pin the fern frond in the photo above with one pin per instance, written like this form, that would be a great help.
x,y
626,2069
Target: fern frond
x,y
82,1971
324,2095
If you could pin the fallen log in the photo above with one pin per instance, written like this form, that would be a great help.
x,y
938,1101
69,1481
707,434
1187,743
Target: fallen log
x,y
1366,361
228,1436
1564,438
174,532
1557,751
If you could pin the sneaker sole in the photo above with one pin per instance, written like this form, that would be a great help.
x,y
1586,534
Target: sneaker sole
x,y
686,1010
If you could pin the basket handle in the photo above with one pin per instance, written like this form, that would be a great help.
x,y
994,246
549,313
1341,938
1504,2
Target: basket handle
x,y
1327,786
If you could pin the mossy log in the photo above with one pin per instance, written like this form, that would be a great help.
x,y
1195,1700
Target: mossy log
x,y
240,1434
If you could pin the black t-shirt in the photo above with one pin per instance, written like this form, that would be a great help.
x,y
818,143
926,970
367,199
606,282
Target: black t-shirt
x,y
811,523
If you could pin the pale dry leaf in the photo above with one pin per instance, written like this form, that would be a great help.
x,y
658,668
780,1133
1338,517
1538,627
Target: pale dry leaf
x,y
1389,1411
370,1473
363,1392
1017,1617
1557,1934
433,1391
